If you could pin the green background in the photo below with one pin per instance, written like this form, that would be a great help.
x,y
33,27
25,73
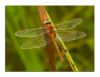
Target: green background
x,y
26,17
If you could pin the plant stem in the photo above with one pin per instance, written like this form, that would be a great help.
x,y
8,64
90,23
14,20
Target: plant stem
x,y
68,56
43,17
66,52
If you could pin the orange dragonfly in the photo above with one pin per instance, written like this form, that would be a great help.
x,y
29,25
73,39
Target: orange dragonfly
x,y
37,38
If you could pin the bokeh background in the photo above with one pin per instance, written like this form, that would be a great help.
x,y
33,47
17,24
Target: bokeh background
x,y
36,60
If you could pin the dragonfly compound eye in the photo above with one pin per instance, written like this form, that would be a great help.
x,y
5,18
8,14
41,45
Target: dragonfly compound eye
x,y
46,22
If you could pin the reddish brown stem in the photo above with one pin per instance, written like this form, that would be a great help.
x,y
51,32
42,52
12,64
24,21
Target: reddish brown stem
x,y
43,16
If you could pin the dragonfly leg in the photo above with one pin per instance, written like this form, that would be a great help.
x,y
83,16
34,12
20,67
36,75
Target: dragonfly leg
x,y
57,48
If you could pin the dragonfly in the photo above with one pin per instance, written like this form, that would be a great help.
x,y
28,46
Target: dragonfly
x,y
37,38
64,30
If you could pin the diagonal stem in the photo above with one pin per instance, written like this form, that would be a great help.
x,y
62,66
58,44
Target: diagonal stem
x,y
67,54
43,17
65,50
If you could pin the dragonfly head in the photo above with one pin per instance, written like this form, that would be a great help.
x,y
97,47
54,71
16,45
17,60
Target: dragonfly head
x,y
48,27
46,22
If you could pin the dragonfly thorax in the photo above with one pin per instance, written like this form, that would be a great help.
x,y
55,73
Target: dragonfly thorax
x,y
49,29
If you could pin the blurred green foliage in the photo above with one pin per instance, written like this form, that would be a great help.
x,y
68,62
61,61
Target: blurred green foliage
x,y
26,17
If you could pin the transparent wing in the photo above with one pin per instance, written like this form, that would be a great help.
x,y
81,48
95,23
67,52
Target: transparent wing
x,y
71,35
35,42
28,44
69,24
30,32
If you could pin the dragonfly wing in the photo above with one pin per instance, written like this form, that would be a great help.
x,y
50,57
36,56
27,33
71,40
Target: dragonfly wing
x,y
28,44
69,24
35,42
30,32
71,35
